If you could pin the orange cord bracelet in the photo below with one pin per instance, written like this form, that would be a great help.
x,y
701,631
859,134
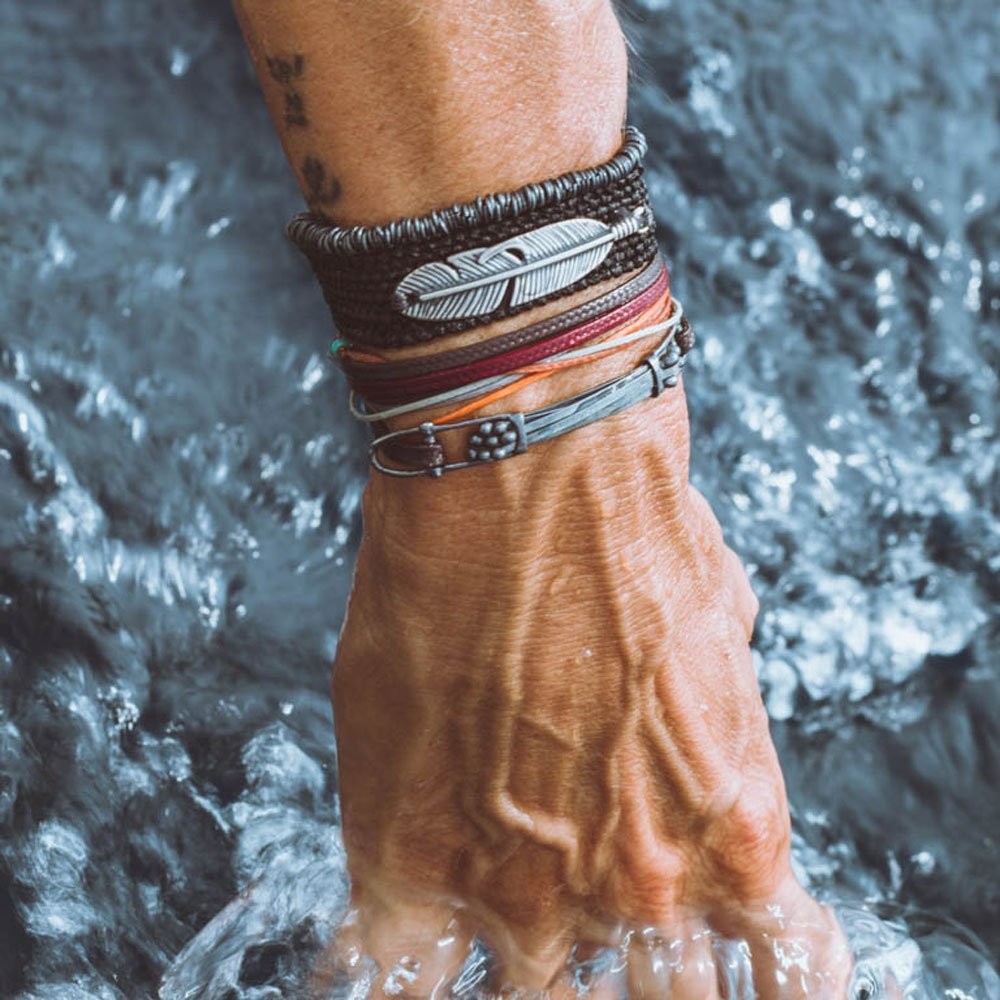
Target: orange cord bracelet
x,y
659,310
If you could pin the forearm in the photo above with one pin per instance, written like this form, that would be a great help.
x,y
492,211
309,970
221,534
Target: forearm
x,y
394,107
418,104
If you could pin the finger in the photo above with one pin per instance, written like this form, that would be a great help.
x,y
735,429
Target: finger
x,y
533,961
398,948
594,971
607,987
529,919
533,965
676,966
798,951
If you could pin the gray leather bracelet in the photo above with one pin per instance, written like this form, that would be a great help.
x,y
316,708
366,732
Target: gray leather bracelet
x,y
503,435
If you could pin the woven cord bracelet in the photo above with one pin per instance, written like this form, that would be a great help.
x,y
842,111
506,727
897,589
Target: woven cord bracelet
x,y
311,233
416,279
361,411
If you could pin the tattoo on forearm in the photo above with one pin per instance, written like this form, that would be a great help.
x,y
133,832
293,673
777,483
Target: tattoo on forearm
x,y
286,71
321,188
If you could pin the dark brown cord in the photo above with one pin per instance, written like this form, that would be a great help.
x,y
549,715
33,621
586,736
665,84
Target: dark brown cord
x,y
358,277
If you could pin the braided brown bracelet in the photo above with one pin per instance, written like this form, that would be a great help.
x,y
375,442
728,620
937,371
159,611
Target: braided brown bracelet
x,y
417,279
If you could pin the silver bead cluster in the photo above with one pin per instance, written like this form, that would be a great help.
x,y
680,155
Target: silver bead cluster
x,y
492,440
670,358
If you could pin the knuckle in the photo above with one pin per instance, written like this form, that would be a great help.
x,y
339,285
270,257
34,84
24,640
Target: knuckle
x,y
749,844
648,887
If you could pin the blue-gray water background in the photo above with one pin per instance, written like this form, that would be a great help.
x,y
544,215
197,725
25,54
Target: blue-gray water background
x,y
179,480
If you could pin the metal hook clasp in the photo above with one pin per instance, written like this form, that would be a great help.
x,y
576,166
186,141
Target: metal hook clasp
x,y
493,439
665,366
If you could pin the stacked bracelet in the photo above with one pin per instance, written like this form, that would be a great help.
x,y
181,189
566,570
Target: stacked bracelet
x,y
420,450
417,279
364,373
403,389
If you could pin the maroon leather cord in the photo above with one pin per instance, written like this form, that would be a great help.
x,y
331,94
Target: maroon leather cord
x,y
409,389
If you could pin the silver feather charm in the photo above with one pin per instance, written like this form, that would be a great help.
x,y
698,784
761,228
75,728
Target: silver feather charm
x,y
523,268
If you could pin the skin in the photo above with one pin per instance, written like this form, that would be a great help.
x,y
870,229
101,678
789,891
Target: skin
x,y
548,725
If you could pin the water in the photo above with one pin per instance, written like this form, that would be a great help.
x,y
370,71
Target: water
x,y
179,483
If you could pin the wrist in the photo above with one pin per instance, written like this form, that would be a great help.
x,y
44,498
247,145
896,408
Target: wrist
x,y
607,446
640,450
456,563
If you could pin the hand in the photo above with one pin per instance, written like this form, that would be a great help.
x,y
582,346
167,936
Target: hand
x,y
550,732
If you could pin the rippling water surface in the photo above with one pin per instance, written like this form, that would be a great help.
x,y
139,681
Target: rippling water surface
x,y
179,482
